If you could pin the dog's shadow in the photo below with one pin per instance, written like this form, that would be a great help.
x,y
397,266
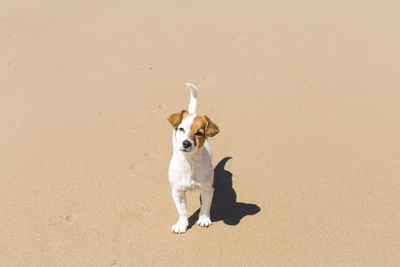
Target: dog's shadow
x,y
224,206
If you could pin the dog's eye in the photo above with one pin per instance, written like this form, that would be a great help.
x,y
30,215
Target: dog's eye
x,y
181,129
199,133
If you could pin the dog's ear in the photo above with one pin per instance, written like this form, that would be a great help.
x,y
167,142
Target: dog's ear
x,y
211,128
176,118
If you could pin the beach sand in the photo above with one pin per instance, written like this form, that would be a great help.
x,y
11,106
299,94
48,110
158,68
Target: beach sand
x,y
306,95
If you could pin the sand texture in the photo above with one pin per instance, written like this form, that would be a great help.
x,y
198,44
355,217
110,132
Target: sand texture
x,y
307,163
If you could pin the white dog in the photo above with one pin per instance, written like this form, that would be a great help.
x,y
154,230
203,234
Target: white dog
x,y
191,167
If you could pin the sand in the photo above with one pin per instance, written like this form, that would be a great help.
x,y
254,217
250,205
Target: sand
x,y
306,94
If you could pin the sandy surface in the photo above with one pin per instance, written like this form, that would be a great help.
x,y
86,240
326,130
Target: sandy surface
x,y
306,94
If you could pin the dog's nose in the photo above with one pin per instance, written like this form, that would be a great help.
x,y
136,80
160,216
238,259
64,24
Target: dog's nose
x,y
186,144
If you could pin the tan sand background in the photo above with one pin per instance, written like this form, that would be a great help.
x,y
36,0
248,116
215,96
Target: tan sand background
x,y
306,94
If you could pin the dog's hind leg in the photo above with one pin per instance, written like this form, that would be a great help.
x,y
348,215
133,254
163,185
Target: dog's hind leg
x,y
204,215
179,197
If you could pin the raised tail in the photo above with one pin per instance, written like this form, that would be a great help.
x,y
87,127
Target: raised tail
x,y
193,98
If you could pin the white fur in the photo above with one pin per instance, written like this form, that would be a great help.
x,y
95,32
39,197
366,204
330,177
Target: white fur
x,y
190,170
193,98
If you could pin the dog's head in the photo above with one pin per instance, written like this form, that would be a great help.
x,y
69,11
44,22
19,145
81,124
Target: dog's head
x,y
191,131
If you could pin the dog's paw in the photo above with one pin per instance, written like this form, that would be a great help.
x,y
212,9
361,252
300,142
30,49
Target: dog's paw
x,y
180,227
204,221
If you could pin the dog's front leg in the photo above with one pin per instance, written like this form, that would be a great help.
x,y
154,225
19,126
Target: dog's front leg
x,y
179,197
204,215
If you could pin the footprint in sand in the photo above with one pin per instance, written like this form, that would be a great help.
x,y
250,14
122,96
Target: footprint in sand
x,y
69,218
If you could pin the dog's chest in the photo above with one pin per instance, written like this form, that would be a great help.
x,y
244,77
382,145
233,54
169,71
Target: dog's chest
x,y
184,175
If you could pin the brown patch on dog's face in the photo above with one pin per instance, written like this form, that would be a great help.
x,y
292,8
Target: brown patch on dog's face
x,y
176,118
202,128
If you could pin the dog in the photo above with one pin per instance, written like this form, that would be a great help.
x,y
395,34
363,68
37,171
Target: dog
x,y
191,163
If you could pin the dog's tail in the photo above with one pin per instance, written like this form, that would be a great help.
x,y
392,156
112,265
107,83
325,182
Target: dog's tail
x,y
193,98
